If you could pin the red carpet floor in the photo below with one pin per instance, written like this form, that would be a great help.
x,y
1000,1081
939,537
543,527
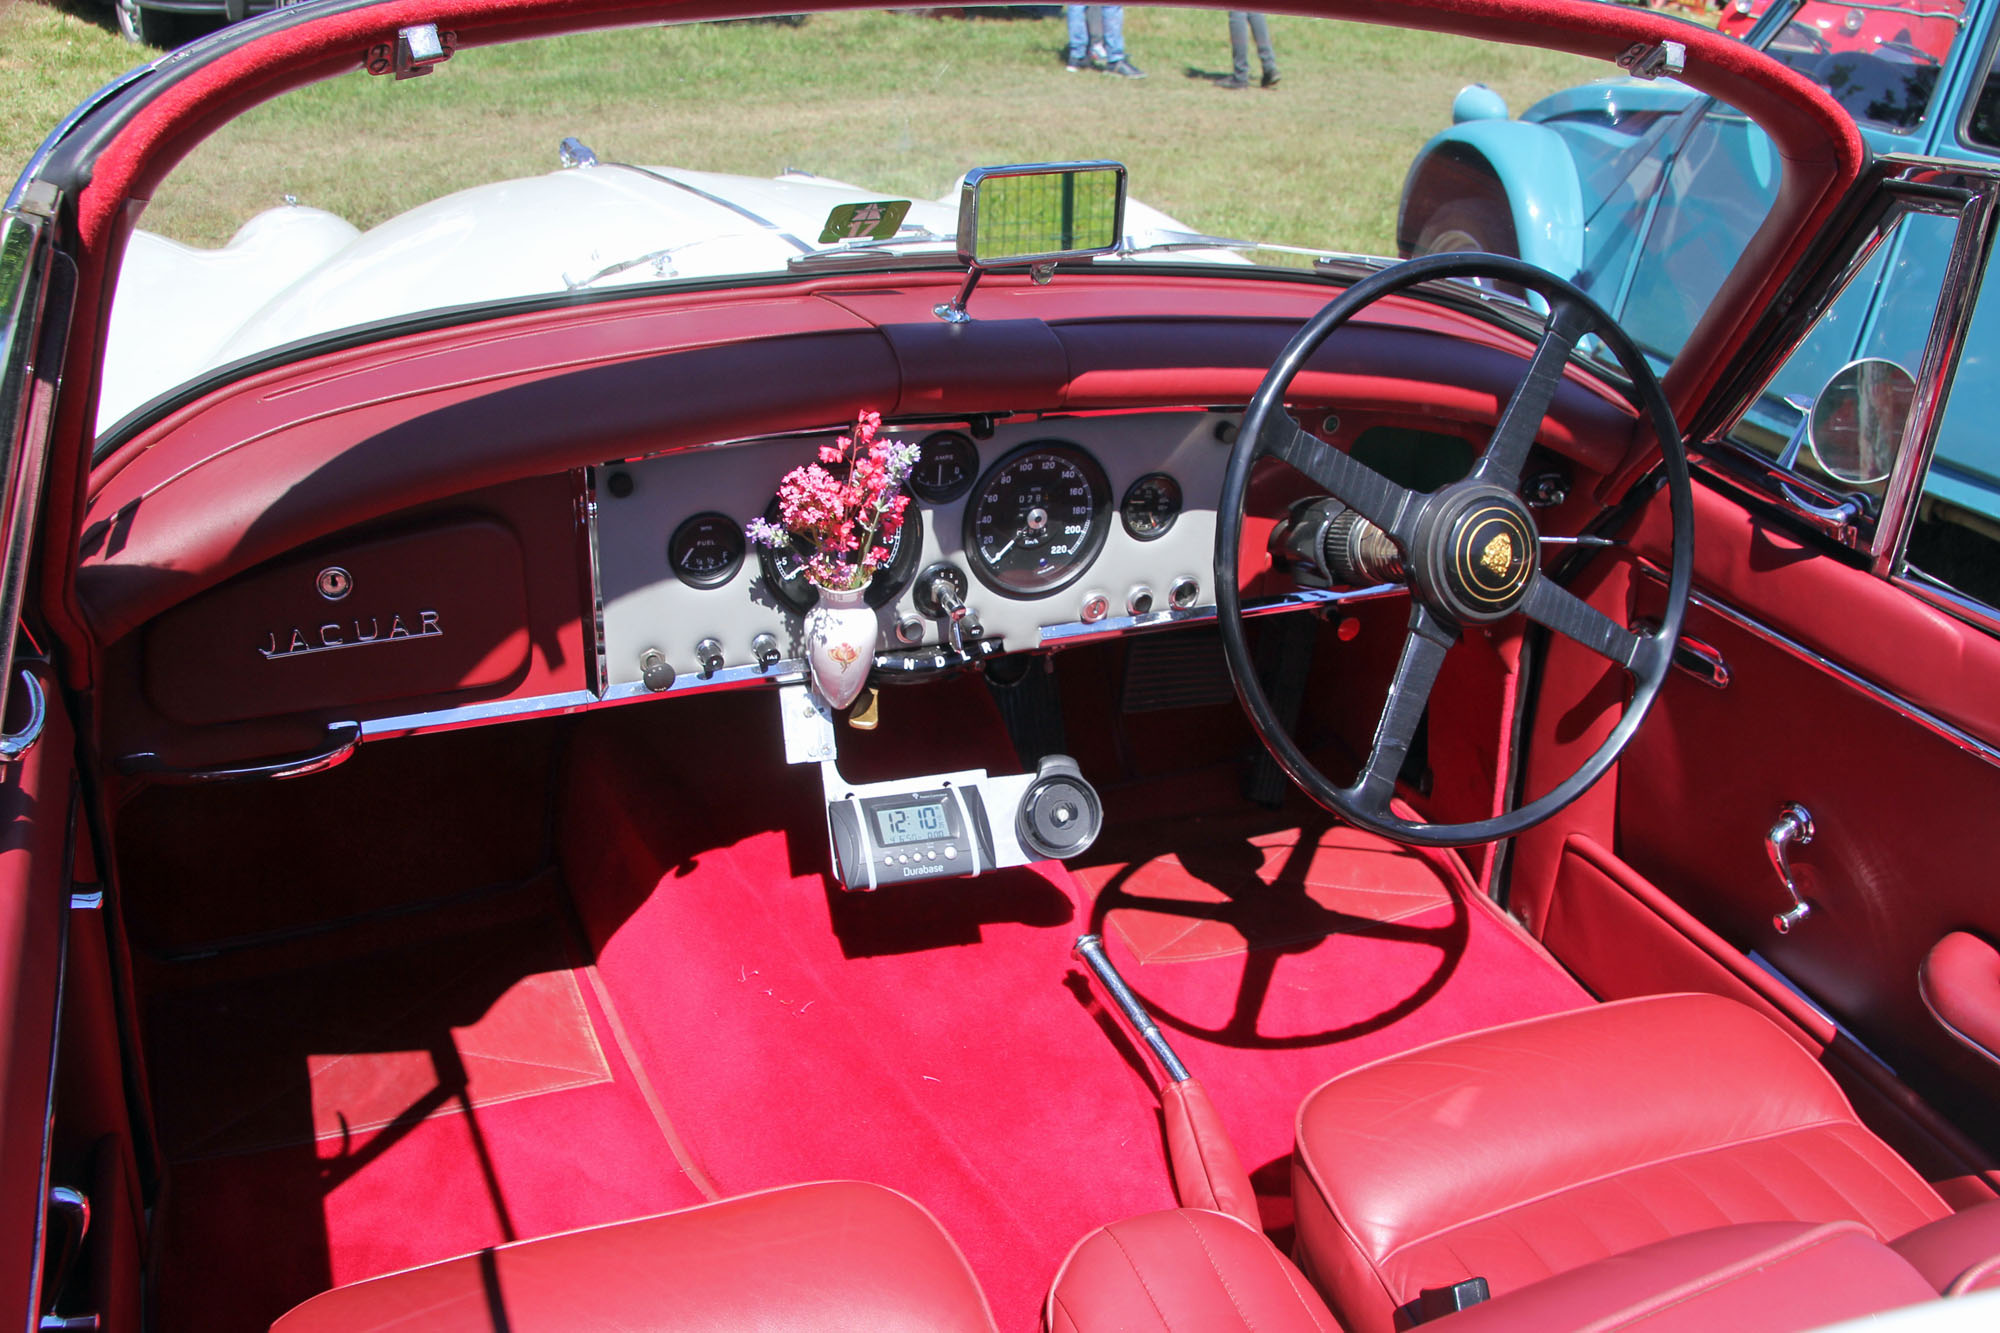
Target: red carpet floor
x,y
940,1040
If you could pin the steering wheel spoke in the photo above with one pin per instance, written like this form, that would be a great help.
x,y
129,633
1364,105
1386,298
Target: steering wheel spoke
x,y
1507,452
1468,547
1424,651
1556,608
1356,485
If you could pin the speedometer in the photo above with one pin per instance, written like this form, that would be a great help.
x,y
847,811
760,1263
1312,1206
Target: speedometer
x,y
1037,519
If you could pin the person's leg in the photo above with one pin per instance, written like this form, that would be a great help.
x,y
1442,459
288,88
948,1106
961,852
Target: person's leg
x,y
1239,44
1260,28
1079,34
1114,34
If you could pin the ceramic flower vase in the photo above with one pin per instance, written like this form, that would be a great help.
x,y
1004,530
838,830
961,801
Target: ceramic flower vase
x,y
840,643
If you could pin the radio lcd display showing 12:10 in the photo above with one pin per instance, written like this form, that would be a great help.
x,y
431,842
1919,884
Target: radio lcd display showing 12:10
x,y
914,822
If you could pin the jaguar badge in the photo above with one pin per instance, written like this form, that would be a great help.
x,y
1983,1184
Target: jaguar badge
x,y
1499,554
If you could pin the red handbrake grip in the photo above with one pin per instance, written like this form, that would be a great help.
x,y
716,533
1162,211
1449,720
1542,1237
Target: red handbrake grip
x,y
1960,983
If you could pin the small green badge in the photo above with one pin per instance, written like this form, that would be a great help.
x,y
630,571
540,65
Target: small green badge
x,y
864,222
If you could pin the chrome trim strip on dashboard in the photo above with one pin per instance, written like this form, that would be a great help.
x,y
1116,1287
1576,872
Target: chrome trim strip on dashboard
x,y
1896,703
600,664
1079,631
793,670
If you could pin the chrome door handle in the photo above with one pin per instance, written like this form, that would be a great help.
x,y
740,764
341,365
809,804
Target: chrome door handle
x,y
1794,828
341,740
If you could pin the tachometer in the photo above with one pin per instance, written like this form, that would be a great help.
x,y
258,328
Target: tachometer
x,y
1037,519
784,571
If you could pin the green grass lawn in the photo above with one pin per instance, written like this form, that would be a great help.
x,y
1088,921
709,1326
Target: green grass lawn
x,y
899,102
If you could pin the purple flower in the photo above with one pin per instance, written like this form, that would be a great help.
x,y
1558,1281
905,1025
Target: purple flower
x,y
767,534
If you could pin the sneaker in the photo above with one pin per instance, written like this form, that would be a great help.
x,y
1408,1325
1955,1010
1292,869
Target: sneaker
x,y
1235,83
1075,66
1099,57
1125,69
1270,79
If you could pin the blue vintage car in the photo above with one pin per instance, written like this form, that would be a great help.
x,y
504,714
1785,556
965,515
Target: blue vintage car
x,y
1644,192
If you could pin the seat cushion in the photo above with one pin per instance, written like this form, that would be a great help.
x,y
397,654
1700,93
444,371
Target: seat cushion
x,y
1960,1253
1183,1269
832,1256
1761,1277
1524,1151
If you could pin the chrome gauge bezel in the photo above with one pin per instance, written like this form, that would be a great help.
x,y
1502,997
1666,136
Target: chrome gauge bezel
x,y
799,596
1097,528
734,544
964,452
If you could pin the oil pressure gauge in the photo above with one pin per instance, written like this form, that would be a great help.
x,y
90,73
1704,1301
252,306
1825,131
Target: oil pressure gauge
x,y
706,550
1150,506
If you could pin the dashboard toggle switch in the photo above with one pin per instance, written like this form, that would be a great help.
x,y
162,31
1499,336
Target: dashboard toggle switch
x,y
765,649
708,658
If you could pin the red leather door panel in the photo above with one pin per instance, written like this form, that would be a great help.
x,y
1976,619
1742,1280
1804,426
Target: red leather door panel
x,y
1902,808
35,797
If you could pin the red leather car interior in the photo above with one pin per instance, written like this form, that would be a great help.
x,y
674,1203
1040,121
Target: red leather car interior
x,y
838,1255
1772,1277
1960,982
1179,1270
1534,1148
1207,1171
1959,1253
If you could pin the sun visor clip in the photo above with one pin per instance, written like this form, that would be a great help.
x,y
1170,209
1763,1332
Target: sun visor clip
x,y
1645,61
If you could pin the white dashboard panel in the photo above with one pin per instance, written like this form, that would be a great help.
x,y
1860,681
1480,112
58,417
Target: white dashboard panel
x,y
647,607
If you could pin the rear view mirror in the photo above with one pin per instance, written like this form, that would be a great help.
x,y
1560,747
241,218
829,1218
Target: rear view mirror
x,y
1033,216
1857,421
1040,214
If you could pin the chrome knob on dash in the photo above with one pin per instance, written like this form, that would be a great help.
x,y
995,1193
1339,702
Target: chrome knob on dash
x,y
655,670
765,649
708,658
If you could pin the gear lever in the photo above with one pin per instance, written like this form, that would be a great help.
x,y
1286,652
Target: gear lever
x,y
1207,1171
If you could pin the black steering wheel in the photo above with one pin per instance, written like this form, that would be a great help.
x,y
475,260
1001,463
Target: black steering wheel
x,y
1469,552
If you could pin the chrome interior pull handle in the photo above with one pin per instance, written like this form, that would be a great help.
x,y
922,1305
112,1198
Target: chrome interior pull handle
x,y
1794,828
341,740
15,744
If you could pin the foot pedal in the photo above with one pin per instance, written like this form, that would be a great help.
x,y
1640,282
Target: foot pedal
x,y
1031,706
1284,661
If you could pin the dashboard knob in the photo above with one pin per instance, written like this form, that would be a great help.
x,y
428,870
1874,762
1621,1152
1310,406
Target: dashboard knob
x,y
1096,606
1139,601
1185,593
765,649
655,670
909,629
708,658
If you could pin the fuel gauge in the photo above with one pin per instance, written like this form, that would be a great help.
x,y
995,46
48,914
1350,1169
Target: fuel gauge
x,y
706,550
945,467
1150,506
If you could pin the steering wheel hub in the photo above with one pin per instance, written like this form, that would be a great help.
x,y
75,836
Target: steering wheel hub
x,y
1479,554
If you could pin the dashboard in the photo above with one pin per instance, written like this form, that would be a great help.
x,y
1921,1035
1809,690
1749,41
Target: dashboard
x,y
1022,535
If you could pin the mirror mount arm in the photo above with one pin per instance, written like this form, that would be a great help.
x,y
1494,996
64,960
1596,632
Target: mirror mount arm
x,y
953,311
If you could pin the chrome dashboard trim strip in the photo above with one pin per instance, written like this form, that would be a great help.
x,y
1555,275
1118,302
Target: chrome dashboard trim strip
x,y
1896,703
1075,632
600,664
792,670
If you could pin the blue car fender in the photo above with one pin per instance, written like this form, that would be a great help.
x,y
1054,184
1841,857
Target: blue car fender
x,y
1528,166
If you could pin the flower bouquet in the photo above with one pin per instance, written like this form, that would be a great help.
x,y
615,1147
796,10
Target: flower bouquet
x,y
842,513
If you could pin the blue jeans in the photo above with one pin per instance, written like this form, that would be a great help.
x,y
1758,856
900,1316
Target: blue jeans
x,y
1079,33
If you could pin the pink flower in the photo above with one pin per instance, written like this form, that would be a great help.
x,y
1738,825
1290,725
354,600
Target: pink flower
x,y
860,510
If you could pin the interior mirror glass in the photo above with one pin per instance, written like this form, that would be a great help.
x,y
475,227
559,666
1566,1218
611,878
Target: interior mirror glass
x,y
1034,214
1857,420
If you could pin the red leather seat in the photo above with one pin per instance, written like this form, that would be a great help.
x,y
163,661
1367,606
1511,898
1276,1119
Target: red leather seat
x,y
1532,1149
1183,1269
833,1256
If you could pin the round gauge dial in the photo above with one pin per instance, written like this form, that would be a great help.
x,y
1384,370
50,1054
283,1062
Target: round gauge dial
x,y
945,467
785,571
1150,506
1037,519
706,550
